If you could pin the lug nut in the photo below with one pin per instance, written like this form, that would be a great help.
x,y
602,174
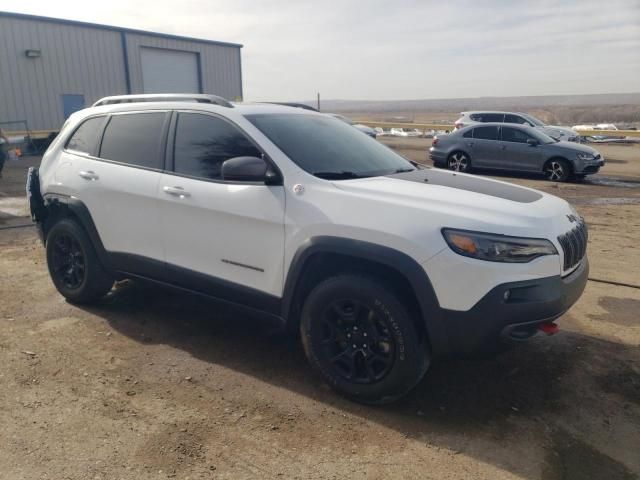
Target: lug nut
x,y
355,346
364,345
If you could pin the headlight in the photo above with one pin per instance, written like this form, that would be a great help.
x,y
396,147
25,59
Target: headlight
x,y
585,156
497,248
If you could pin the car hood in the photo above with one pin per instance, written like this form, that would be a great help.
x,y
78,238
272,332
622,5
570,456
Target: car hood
x,y
558,132
574,147
464,201
363,128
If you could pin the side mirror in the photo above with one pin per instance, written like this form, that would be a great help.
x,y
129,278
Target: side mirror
x,y
532,142
249,169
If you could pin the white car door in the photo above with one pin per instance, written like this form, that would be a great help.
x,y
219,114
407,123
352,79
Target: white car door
x,y
119,186
217,234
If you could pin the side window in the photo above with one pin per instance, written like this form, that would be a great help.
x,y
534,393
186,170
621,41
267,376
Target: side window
x,y
515,119
485,133
487,117
87,136
203,142
134,138
493,117
468,134
514,135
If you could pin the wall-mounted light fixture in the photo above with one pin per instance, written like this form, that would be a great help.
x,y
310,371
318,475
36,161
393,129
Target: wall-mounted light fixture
x,y
33,53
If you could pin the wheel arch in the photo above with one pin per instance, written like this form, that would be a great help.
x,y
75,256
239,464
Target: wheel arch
x,y
559,157
62,206
322,257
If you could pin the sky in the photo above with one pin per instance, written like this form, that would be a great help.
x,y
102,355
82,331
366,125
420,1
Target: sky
x,y
402,49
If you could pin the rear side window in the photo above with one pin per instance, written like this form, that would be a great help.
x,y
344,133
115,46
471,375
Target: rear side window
x,y
515,119
485,133
487,117
514,135
203,142
87,136
134,139
468,134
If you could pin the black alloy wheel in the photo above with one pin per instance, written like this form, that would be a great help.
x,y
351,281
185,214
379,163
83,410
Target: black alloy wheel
x,y
357,342
68,262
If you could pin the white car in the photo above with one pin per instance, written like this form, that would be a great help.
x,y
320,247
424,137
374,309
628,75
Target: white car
x,y
399,132
557,132
381,265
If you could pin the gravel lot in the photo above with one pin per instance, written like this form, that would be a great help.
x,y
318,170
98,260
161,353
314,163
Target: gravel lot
x,y
153,384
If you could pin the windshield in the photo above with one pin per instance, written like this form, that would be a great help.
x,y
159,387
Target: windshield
x,y
542,137
533,120
327,147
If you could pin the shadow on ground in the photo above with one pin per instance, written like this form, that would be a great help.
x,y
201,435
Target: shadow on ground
x,y
551,389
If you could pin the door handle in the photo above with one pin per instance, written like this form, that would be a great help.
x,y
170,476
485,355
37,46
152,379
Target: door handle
x,y
470,144
503,147
88,175
176,192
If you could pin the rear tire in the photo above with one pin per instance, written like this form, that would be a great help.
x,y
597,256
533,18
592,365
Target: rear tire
x,y
73,263
459,162
557,170
361,339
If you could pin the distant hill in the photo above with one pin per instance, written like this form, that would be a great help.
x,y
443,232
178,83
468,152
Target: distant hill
x,y
485,103
622,109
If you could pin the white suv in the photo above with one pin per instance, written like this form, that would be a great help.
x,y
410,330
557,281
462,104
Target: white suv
x,y
379,263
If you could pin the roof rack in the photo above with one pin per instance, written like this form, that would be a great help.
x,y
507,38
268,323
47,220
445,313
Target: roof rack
x,y
164,97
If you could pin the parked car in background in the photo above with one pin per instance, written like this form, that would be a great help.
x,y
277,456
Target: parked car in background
x,y
520,148
559,133
363,128
399,132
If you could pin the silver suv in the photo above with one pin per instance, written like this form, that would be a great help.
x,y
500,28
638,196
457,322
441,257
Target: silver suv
x,y
559,133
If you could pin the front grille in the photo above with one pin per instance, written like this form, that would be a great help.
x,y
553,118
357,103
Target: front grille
x,y
574,244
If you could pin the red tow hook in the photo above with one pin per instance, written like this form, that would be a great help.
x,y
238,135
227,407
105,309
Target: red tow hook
x,y
550,328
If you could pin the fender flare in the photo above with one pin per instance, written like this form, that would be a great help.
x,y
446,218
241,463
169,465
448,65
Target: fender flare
x,y
430,311
80,211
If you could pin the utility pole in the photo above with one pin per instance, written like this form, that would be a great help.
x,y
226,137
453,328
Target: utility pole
x,y
318,101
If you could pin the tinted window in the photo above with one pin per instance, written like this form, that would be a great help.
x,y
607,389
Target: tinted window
x,y
486,133
203,142
327,147
515,119
468,134
134,139
514,135
86,138
487,117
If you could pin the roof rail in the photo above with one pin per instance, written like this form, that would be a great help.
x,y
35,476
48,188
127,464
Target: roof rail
x,y
164,97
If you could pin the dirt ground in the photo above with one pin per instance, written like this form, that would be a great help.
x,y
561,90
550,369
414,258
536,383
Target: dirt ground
x,y
154,384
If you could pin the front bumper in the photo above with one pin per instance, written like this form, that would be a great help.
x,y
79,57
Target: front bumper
x,y
500,317
589,167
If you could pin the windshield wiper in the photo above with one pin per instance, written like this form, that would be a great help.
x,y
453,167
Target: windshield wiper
x,y
404,170
342,175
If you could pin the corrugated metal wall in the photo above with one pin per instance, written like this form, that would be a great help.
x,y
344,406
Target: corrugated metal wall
x,y
219,64
75,60
86,60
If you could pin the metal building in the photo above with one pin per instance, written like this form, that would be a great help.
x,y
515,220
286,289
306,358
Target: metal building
x,y
49,68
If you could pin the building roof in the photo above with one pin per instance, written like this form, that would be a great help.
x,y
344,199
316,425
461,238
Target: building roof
x,y
61,21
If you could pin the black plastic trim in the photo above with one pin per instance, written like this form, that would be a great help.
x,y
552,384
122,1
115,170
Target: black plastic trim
x,y
528,304
81,212
130,265
402,263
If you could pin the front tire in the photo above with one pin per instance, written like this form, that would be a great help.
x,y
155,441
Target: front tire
x,y
73,264
361,339
459,162
557,170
